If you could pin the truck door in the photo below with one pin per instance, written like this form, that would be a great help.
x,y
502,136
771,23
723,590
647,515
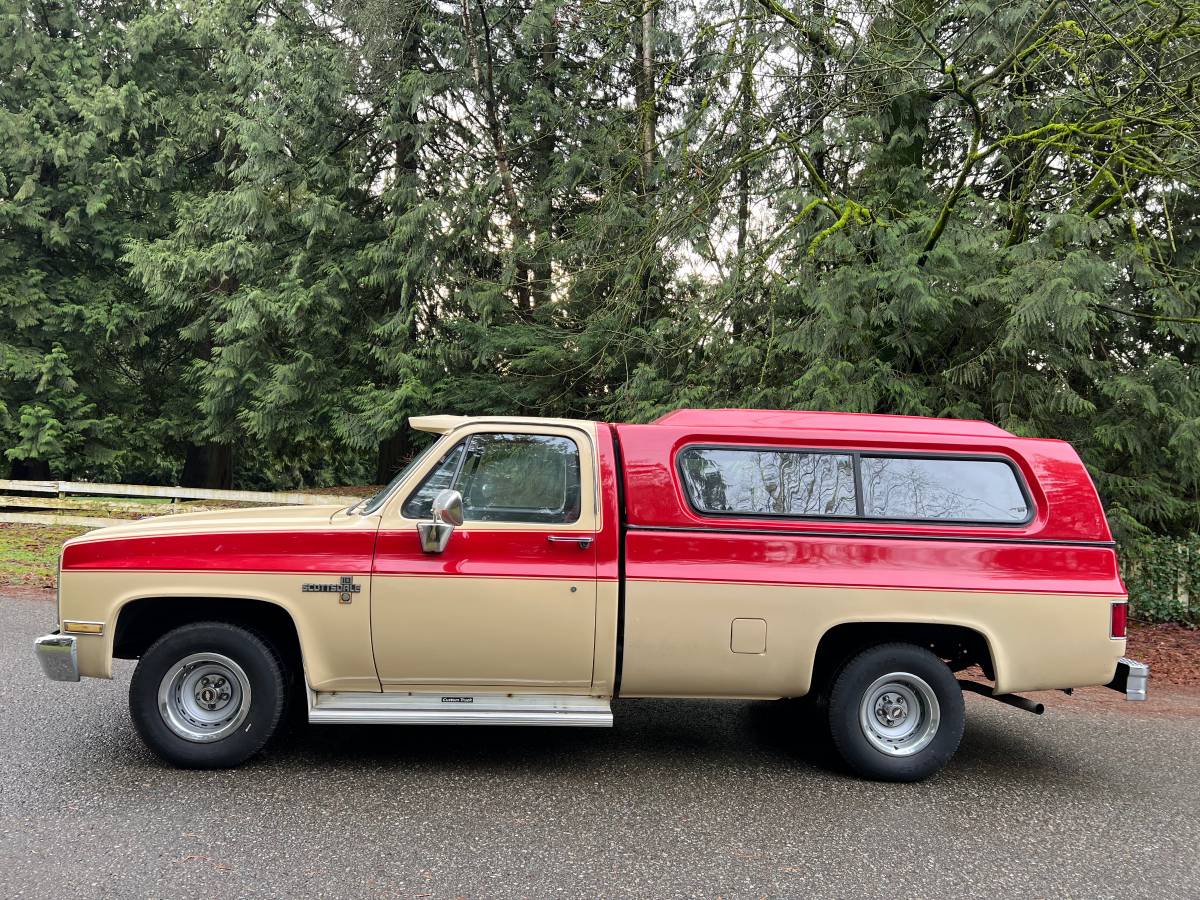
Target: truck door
x,y
511,600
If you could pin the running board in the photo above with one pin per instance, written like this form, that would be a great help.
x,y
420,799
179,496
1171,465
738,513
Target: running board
x,y
345,708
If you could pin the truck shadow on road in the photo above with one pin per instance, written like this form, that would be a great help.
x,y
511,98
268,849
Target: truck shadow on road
x,y
650,736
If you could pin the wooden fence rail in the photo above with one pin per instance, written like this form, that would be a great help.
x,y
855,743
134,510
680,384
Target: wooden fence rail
x,y
174,493
58,508
75,521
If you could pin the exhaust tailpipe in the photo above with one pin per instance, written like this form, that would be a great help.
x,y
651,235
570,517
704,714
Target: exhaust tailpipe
x,y
1011,699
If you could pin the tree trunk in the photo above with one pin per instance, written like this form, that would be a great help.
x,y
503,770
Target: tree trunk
x,y
483,66
393,453
644,91
746,96
208,466
817,86
30,470
543,149
643,42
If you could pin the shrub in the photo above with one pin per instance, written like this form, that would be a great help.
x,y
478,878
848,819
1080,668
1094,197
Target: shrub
x,y
1162,575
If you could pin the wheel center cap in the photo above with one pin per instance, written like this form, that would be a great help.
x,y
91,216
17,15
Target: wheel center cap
x,y
891,710
212,694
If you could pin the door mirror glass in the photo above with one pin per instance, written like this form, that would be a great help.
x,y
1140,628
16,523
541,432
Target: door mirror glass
x,y
448,508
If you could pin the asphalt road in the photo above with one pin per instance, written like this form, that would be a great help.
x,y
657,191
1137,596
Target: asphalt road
x,y
688,799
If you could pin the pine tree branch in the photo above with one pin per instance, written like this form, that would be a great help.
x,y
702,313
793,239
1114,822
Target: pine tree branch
x,y
813,34
1184,320
973,156
1017,51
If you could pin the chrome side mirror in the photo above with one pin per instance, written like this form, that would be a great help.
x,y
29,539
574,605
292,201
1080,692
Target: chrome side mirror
x,y
447,514
448,508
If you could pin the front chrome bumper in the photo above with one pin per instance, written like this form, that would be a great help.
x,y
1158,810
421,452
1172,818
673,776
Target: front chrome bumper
x,y
1132,679
58,655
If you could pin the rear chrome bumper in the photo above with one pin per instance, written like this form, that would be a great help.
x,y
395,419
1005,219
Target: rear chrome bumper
x,y
1132,679
58,655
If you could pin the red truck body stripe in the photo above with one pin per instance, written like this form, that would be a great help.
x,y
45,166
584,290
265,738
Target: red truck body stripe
x,y
871,562
488,554
492,554
347,552
760,558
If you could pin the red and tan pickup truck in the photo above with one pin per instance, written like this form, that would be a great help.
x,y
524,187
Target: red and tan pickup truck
x,y
527,571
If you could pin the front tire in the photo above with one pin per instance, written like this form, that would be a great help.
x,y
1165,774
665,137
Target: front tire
x,y
208,695
896,713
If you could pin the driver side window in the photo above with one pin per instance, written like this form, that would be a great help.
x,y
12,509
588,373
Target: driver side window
x,y
506,478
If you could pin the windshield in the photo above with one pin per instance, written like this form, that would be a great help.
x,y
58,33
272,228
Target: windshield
x,y
372,504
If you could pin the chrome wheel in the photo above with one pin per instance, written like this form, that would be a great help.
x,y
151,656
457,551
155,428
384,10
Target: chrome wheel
x,y
204,697
899,714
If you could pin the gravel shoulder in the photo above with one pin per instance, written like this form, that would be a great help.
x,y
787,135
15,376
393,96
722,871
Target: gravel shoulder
x,y
1098,798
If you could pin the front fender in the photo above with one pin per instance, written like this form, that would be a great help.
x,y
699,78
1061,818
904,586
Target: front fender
x,y
335,637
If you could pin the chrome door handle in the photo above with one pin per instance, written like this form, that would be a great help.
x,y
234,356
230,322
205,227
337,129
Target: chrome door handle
x,y
584,541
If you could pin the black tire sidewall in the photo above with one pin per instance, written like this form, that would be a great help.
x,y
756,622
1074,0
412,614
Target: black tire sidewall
x,y
268,694
846,695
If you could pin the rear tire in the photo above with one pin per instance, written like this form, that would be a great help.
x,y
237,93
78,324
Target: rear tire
x,y
208,695
896,713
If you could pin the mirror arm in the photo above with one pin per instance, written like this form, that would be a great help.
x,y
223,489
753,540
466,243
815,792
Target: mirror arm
x,y
434,536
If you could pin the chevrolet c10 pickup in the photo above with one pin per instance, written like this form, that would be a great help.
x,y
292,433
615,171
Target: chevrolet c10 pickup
x,y
528,571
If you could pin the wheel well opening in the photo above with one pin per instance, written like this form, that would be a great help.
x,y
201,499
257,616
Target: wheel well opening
x,y
959,646
142,622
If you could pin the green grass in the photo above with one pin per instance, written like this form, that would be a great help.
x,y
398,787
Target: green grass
x,y
29,553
